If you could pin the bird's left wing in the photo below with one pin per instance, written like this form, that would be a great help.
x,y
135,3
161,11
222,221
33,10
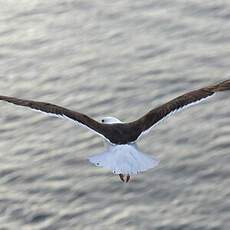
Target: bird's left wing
x,y
59,111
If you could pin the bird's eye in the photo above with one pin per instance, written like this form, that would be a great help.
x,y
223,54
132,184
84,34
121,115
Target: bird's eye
x,y
102,120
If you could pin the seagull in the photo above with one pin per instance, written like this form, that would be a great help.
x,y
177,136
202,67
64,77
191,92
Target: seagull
x,y
122,155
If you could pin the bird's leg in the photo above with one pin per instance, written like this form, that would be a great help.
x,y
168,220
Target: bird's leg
x,y
124,178
121,177
127,178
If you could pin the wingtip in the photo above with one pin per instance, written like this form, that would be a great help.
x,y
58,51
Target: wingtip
x,y
222,86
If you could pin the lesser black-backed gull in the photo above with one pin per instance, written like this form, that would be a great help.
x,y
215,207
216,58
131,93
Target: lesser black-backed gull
x,y
122,155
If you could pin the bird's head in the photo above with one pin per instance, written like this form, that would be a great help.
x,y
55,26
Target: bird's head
x,y
110,120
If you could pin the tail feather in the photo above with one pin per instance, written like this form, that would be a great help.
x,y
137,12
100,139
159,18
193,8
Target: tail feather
x,y
124,159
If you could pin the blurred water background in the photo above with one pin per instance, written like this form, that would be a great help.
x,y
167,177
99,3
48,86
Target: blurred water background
x,y
117,58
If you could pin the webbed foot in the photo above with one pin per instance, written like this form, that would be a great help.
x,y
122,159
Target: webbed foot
x,y
122,177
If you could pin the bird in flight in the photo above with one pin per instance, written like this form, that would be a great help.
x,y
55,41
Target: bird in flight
x,y
122,155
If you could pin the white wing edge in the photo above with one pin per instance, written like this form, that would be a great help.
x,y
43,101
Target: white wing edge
x,y
172,113
72,120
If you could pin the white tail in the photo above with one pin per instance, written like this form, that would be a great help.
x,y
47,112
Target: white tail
x,y
124,159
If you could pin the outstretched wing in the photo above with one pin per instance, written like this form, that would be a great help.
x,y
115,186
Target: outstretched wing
x,y
59,111
152,117
123,133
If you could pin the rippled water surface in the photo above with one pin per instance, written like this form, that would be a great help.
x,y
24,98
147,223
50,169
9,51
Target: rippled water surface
x,y
117,58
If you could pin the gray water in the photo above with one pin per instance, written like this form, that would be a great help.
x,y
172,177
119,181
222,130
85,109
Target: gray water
x,y
117,58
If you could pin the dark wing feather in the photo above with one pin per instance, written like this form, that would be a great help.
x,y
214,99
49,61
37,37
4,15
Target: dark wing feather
x,y
155,115
115,133
59,111
123,133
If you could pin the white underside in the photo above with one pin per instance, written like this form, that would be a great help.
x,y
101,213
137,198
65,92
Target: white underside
x,y
124,159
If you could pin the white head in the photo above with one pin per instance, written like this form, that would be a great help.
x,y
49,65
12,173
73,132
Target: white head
x,y
110,120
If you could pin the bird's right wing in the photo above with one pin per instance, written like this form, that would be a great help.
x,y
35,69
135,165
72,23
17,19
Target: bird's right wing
x,y
144,123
